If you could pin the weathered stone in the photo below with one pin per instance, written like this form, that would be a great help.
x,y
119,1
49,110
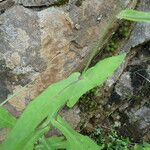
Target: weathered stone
x,y
71,116
37,3
127,104
141,32
5,4
142,117
38,48
125,99
45,46
139,35
133,88
136,124
124,87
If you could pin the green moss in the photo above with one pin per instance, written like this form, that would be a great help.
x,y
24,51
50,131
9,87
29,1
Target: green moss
x,y
110,140
88,101
122,33
113,45
125,29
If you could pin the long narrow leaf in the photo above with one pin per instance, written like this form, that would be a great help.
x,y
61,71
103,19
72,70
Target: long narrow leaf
x,y
55,97
134,15
75,140
48,103
55,143
95,76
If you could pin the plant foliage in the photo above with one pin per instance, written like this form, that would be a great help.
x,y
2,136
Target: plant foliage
x,y
42,113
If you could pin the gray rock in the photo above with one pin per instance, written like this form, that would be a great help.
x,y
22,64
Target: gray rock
x,y
142,116
38,48
133,88
139,35
124,87
72,116
141,32
36,3
46,46
5,4
139,123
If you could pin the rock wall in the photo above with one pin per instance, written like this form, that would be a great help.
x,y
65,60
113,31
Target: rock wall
x,y
43,41
124,101
40,46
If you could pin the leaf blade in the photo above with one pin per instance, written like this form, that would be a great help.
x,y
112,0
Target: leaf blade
x,y
75,141
134,15
95,76
55,97
30,119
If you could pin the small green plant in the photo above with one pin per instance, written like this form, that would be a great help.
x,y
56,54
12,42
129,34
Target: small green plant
x,y
111,140
42,114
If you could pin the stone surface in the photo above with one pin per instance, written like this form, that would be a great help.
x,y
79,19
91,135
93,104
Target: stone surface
x,y
141,32
139,35
126,106
133,97
41,47
123,87
36,3
5,4
137,101
124,101
71,116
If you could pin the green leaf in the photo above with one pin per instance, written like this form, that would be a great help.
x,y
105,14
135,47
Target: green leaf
x,y
75,140
48,103
94,76
54,98
54,143
6,119
34,137
134,15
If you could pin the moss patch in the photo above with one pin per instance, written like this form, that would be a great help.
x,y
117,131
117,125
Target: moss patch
x,y
88,101
122,33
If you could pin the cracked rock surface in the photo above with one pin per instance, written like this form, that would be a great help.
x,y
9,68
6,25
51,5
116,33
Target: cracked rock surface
x,y
42,45
46,46
124,101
